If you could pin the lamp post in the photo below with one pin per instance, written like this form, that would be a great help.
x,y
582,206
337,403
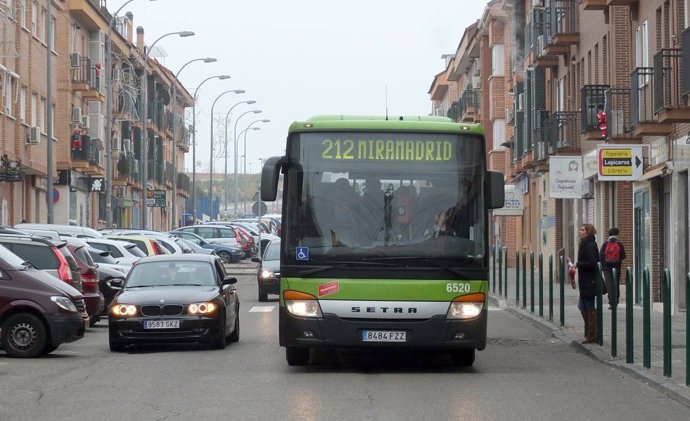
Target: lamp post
x,y
234,132
221,77
144,117
245,151
174,150
109,119
225,179
210,180
49,100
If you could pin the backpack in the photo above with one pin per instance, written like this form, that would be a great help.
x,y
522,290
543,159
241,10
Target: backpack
x,y
612,252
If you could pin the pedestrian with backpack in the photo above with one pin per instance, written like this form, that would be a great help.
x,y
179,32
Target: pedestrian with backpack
x,y
611,255
587,259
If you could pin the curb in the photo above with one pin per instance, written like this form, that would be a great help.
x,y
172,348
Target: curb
x,y
660,383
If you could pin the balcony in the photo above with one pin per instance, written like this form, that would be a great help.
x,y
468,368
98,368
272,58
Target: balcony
x,y
87,156
184,184
540,57
622,2
594,4
643,119
617,108
563,25
670,102
85,78
563,131
593,99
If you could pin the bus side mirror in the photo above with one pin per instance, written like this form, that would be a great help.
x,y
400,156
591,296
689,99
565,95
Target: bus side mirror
x,y
496,190
269,177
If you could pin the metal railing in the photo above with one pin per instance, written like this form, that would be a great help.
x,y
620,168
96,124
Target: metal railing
x,y
85,72
564,17
641,99
592,97
563,130
617,108
667,79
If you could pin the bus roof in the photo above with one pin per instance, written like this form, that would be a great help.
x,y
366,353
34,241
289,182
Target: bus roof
x,y
383,123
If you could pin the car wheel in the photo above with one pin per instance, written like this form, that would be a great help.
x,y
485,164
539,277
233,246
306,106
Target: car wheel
x,y
296,355
116,346
235,335
23,336
262,295
219,342
225,256
463,357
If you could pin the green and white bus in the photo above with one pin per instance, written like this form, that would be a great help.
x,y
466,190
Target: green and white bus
x,y
385,235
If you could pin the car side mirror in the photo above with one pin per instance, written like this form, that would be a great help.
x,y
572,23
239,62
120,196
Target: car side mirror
x,y
256,259
116,283
229,280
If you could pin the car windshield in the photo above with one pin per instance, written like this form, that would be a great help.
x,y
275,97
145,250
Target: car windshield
x,y
171,273
10,257
134,250
272,251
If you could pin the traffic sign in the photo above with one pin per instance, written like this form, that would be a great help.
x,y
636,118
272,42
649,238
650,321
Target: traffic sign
x,y
620,162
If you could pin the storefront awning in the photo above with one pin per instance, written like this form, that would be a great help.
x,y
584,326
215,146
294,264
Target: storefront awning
x,y
660,171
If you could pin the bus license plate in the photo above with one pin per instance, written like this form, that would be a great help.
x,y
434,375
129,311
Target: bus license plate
x,y
384,336
161,324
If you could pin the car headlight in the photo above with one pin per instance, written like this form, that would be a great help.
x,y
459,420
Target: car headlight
x,y
267,274
201,308
64,303
123,310
466,306
301,304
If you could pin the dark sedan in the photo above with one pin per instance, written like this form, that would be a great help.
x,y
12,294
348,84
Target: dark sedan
x,y
175,298
268,276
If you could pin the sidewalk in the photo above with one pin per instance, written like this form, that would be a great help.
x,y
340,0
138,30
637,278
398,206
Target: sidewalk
x,y
573,330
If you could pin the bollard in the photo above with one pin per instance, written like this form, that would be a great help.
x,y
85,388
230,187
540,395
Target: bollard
x,y
600,304
541,285
524,278
646,334
614,312
666,291
500,272
562,286
494,268
687,331
517,277
551,288
629,326
531,281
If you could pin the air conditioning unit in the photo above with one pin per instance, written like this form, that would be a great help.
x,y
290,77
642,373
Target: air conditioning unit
x,y
121,192
540,151
85,122
76,115
34,135
538,4
476,82
540,45
521,102
510,115
75,59
115,143
126,146
117,74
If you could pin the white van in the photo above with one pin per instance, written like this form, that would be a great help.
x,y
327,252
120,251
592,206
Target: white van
x,y
63,230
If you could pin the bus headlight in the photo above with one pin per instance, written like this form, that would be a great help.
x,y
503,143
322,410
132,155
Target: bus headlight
x,y
466,306
301,304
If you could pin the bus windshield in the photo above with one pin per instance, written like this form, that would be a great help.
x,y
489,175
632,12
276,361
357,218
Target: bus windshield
x,y
386,196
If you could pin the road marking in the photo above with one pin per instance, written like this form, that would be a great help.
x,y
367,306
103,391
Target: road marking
x,y
261,309
494,309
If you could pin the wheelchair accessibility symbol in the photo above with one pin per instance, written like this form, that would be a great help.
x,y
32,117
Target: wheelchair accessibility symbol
x,y
302,253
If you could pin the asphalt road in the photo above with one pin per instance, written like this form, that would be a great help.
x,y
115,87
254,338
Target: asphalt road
x,y
522,375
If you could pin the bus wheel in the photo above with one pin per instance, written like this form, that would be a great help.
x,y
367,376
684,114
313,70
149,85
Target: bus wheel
x,y
296,355
463,357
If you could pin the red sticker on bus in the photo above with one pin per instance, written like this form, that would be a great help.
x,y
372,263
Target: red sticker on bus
x,y
329,288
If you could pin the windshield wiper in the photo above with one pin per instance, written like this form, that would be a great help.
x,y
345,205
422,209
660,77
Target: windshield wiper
x,y
339,264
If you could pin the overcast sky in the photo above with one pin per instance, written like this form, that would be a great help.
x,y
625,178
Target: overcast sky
x,y
298,58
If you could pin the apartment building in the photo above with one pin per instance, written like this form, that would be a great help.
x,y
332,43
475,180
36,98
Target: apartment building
x,y
572,64
81,142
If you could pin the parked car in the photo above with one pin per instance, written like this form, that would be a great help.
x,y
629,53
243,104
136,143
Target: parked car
x,y
93,297
220,234
63,230
103,259
268,275
175,298
195,248
227,253
124,252
38,312
149,245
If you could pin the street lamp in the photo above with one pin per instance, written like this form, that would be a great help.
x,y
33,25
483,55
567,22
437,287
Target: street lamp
x,y
221,77
174,150
227,115
109,119
235,138
245,151
210,181
144,117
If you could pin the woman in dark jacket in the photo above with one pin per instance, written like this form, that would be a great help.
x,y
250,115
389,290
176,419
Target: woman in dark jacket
x,y
587,259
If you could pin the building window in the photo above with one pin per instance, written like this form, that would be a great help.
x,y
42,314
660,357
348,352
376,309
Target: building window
x,y
642,45
34,18
52,119
497,60
34,109
8,95
42,116
42,24
6,6
22,104
499,132
23,11
51,43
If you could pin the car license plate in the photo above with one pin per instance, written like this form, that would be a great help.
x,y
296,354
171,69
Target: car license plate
x,y
161,324
384,336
